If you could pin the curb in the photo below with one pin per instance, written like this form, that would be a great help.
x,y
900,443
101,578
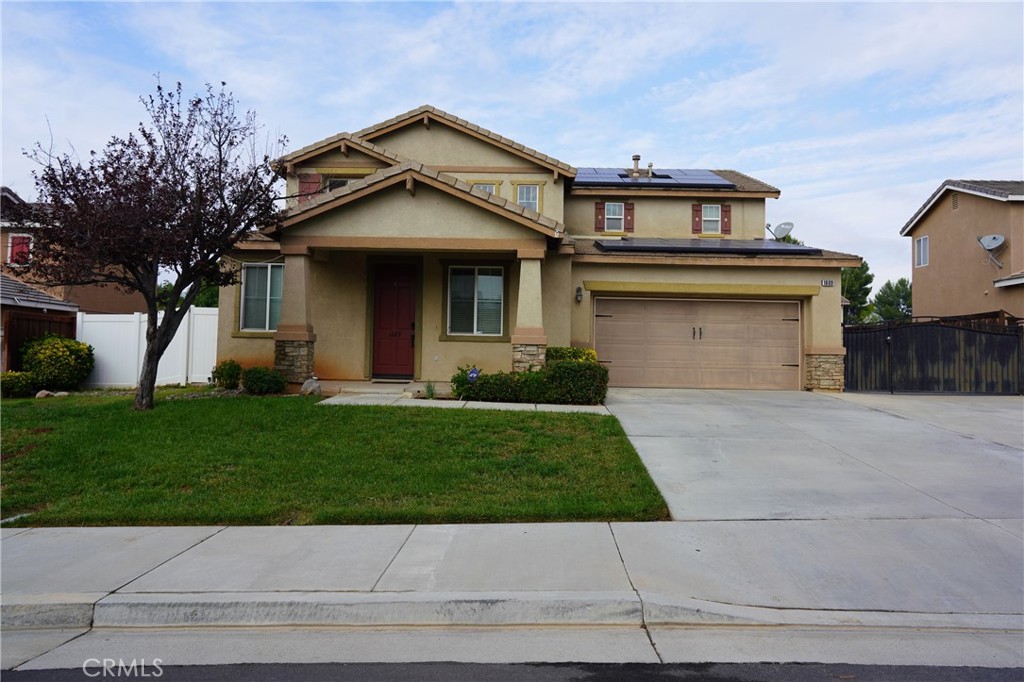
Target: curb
x,y
373,609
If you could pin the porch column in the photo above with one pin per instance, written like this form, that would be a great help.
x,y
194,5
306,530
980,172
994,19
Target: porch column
x,y
294,339
529,342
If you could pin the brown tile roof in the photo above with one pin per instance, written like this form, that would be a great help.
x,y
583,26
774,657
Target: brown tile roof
x,y
745,183
500,140
336,140
1001,190
551,227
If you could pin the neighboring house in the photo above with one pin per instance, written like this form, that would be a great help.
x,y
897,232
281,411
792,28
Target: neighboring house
x,y
27,313
953,272
426,243
16,247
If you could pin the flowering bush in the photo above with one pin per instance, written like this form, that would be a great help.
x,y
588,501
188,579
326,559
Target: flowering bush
x,y
57,362
17,384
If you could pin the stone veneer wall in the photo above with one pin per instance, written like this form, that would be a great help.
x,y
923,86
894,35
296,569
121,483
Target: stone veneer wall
x,y
294,359
527,357
825,372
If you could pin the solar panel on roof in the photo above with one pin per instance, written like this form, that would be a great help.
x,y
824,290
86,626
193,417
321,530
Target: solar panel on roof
x,y
666,177
751,247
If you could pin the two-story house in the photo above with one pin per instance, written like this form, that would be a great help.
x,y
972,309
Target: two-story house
x,y
426,243
968,249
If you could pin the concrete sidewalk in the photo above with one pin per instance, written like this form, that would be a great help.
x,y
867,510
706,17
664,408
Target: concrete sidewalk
x,y
911,576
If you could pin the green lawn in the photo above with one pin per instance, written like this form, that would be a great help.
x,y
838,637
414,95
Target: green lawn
x,y
280,460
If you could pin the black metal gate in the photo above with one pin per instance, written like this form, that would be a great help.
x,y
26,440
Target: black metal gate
x,y
936,356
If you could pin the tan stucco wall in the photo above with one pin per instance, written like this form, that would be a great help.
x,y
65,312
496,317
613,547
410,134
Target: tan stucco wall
x,y
441,145
248,350
821,313
668,217
958,277
429,213
552,193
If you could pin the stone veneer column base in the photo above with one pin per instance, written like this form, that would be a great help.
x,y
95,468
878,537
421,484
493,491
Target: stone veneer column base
x,y
825,372
528,357
294,359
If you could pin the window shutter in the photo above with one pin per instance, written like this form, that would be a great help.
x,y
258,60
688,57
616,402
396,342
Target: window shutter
x,y
627,209
726,219
698,218
309,183
599,217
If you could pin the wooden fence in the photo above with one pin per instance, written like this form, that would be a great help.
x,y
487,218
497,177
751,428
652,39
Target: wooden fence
x,y
936,356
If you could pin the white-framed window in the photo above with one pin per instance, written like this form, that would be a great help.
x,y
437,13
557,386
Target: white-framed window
x,y
475,305
920,252
485,186
262,288
711,219
614,217
528,196
19,249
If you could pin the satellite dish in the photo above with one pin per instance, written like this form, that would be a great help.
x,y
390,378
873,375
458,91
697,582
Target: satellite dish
x,y
991,242
780,231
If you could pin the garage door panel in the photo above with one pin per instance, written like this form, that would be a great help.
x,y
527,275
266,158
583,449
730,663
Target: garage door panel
x,y
738,344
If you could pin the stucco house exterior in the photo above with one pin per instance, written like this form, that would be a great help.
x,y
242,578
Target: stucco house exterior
x,y
954,273
425,243
16,246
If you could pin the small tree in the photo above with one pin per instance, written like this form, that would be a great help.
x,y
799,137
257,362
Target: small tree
x,y
856,289
894,300
169,201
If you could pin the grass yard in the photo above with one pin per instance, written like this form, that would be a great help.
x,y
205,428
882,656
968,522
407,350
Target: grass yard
x,y
285,460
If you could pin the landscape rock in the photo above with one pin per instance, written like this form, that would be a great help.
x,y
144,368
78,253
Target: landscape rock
x,y
311,387
44,394
61,394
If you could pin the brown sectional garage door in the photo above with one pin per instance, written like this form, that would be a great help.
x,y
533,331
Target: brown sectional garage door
x,y
662,343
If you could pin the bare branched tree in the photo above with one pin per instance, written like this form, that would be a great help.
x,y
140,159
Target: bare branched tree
x,y
167,202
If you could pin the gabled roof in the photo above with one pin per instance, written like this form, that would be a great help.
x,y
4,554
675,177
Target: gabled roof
x,y
412,172
998,190
17,293
428,113
341,141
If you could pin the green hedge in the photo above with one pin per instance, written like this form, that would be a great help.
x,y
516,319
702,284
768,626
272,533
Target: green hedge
x,y
571,376
17,384
263,381
57,362
227,375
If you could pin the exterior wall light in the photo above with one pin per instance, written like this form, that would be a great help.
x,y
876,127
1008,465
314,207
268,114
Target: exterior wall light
x,y
579,294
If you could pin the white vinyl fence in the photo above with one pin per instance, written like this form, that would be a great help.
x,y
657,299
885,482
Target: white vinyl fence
x,y
119,343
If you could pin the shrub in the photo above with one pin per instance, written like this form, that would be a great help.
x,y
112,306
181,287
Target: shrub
x,y
576,383
498,388
57,362
17,384
227,375
263,380
572,353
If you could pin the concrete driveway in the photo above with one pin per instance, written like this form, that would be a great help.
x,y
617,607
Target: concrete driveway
x,y
756,455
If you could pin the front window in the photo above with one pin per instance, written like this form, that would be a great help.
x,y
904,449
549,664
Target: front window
x,y
921,252
528,196
334,183
262,287
19,249
711,219
613,217
475,300
485,186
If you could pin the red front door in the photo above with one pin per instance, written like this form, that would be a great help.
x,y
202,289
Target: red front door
x,y
394,321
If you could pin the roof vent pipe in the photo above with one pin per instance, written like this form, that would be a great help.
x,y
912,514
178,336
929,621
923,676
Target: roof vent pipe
x,y
650,169
636,166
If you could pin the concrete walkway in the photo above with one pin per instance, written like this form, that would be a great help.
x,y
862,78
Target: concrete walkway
x,y
924,572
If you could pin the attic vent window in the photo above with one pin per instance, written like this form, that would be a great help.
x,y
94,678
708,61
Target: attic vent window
x,y
956,200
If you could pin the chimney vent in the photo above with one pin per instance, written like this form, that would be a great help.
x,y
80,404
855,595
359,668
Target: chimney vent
x,y
650,169
636,166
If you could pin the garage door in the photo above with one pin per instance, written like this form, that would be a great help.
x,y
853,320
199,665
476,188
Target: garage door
x,y
662,343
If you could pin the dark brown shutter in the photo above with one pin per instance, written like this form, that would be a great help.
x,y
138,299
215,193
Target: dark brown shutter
x,y
627,221
309,183
726,219
599,217
698,218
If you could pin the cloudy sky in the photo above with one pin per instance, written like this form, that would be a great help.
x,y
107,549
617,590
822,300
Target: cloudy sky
x,y
857,112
